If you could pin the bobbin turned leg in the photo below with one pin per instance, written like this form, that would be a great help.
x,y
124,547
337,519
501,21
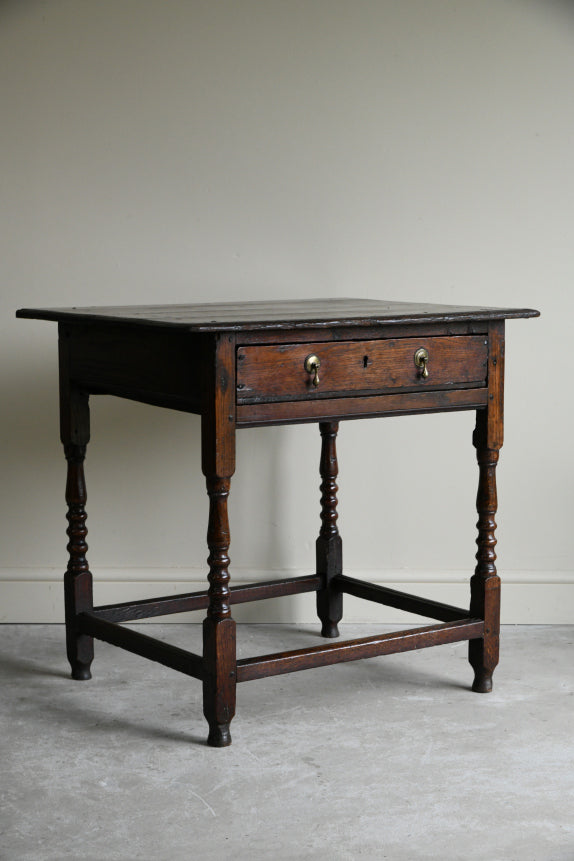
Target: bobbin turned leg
x,y
78,578
485,583
75,435
329,549
218,464
75,432
218,628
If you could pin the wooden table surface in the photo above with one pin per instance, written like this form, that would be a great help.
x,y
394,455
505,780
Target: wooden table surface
x,y
235,316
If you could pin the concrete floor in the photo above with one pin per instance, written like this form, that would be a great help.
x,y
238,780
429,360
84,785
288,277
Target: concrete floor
x,y
390,758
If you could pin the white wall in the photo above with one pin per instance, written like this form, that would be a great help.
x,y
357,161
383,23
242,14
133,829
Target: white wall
x,y
178,151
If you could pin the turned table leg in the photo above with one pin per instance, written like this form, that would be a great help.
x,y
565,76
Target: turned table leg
x,y
218,628
75,434
329,549
78,578
485,583
218,464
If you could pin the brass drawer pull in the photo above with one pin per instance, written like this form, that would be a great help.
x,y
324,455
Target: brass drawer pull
x,y
421,359
312,365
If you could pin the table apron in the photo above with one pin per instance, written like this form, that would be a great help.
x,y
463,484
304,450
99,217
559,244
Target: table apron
x,y
335,409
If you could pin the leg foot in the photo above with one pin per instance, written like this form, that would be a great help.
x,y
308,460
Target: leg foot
x,y
219,735
330,629
81,672
482,682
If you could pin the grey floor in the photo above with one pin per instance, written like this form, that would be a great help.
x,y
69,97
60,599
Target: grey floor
x,y
390,758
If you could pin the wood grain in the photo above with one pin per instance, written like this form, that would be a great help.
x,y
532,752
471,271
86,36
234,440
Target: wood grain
x,y
277,373
354,650
399,600
329,546
140,644
332,409
485,582
291,313
147,608
218,464
159,367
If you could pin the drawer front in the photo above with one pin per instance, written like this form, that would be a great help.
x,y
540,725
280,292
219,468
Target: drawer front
x,y
278,373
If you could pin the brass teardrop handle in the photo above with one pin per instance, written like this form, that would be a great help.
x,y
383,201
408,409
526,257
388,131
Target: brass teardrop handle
x,y
312,365
421,359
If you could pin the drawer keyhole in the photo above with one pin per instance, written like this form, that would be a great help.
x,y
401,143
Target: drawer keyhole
x,y
365,361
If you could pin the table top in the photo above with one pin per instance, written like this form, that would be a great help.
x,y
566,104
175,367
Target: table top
x,y
291,313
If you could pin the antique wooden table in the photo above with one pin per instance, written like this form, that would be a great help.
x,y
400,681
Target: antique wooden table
x,y
269,363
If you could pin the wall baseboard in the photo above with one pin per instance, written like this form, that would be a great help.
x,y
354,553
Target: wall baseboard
x,y
528,597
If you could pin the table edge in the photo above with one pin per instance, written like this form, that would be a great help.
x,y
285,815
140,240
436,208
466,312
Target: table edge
x,y
53,315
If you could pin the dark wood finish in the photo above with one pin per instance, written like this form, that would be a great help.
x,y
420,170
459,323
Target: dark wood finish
x,y
335,409
192,358
368,332
400,600
154,367
277,373
354,650
140,644
329,547
283,315
218,463
78,577
485,583
130,611
78,590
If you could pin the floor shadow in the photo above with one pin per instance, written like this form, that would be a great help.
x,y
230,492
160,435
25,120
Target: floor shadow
x,y
11,667
86,718
49,710
105,723
89,720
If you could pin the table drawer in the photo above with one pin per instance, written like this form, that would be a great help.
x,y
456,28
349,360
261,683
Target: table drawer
x,y
278,373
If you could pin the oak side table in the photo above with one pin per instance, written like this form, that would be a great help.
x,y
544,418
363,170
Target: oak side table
x,y
246,364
